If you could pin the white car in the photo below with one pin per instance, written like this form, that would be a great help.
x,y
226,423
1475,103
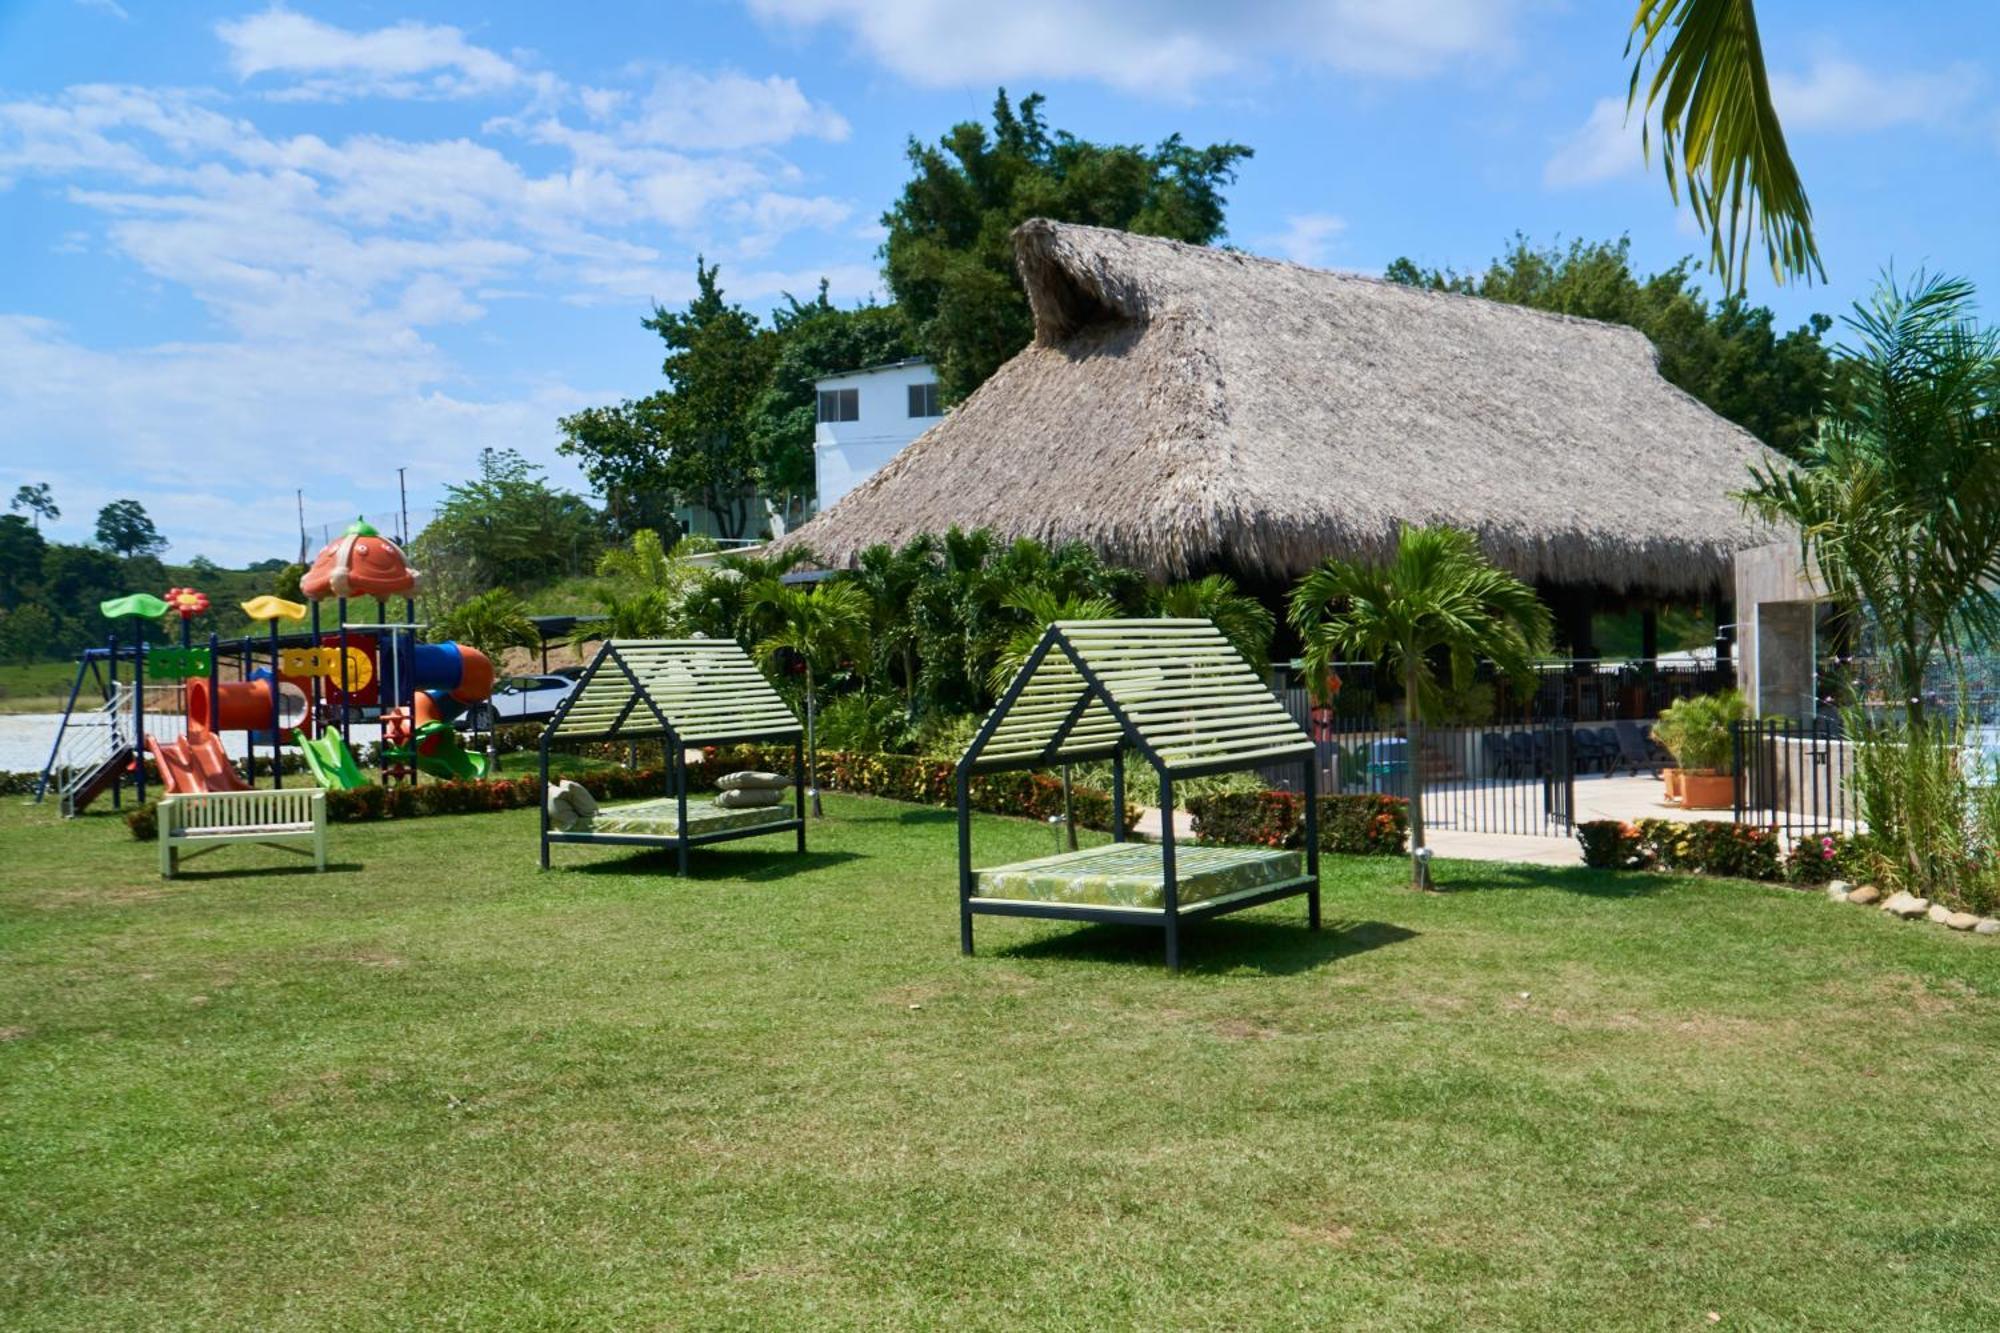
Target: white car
x,y
527,698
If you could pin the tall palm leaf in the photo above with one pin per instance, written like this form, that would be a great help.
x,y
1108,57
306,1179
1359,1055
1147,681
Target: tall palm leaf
x,y
1038,608
1246,622
890,578
821,626
1438,595
1719,133
1897,501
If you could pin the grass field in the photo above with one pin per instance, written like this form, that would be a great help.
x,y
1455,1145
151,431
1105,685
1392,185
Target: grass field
x,y
35,687
436,1088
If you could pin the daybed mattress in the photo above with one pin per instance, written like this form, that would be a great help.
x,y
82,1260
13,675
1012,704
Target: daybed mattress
x,y
660,817
1129,874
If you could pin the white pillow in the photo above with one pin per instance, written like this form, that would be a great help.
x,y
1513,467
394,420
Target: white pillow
x,y
581,800
562,815
750,798
751,780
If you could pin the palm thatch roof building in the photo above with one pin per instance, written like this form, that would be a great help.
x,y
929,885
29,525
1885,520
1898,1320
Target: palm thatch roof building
x,y
1184,409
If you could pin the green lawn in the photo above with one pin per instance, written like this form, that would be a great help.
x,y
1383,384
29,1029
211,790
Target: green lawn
x,y
438,1088
39,687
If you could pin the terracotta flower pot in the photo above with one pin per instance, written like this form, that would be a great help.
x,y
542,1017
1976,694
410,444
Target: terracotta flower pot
x,y
1673,777
1708,791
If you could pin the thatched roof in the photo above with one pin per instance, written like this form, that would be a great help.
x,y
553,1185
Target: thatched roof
x,y
1185,409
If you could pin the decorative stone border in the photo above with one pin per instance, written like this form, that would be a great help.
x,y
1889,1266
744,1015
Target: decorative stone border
x,y
1909,907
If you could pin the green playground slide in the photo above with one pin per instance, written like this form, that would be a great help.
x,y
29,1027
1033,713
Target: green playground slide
x,y
331,761
447,758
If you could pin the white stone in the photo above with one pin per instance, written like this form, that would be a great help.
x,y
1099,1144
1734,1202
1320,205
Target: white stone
x,y
1864,895
1838,885
1906,905
1939,913
1836,892
1962,920
1987,926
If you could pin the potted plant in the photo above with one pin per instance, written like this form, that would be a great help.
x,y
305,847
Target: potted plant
x,y
1667,732
1700,739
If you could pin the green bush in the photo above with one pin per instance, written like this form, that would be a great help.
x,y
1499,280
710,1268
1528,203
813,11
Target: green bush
x,y
864,723
1612,844
1352,825
1697,730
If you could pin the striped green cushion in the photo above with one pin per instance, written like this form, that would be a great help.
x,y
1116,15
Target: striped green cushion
x,y
1130,875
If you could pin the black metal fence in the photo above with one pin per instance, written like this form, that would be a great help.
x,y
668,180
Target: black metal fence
x,y
1579,690
1795,776
1494,779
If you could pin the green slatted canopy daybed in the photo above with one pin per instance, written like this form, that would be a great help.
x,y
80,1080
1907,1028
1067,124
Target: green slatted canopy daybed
x,y
1180,695
681,692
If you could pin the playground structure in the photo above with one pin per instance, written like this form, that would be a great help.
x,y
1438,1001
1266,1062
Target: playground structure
x,y
308,688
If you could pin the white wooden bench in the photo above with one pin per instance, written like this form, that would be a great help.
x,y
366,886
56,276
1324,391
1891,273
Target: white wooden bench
x,y
294,820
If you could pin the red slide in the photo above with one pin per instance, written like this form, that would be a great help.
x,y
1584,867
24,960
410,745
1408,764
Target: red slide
x,y
195,763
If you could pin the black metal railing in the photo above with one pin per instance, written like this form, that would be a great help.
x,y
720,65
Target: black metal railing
x,y
1581,690
1794,776
1492,779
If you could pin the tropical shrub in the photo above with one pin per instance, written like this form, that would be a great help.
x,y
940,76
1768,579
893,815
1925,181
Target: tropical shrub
x,y
1353,825
1697,730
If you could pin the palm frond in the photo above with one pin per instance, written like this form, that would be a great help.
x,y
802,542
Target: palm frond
x,y
1719,135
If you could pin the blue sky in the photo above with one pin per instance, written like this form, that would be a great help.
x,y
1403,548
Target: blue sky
x,y
252,249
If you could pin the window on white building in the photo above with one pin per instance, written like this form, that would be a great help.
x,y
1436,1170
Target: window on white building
x,y
840,404
924,401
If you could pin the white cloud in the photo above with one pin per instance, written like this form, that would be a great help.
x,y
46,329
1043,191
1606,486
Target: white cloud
x,y
1307,238
1604,147
328,264
1168,47
406,59
687,109
1835,93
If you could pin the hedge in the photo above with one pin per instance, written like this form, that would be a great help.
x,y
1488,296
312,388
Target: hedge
x,y
1355,825
1717,847
898,777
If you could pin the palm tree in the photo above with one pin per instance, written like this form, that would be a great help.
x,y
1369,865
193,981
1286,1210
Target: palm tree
x,y
889,578
1039,608
1897,501
1246,622
492,622
1438,596
820,625
1720,139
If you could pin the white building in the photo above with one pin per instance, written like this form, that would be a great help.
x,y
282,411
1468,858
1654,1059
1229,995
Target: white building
x,y
865,417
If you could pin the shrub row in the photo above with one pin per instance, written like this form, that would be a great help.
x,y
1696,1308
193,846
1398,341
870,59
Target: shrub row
x,y
1716,847
1355,825
898,777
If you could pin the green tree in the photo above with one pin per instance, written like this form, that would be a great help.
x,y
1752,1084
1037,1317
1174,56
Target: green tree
x,y
949,256
821,627
813,339
27,634
1438,596
693,442
890,578
1039,608
1719,136
1897,503
37,500
1728,355
285,581
492,622
21,552
124,528
507,527
1246,622
647,585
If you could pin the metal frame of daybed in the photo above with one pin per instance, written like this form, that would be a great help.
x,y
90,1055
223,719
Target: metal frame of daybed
x,y
737,706
1185,699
